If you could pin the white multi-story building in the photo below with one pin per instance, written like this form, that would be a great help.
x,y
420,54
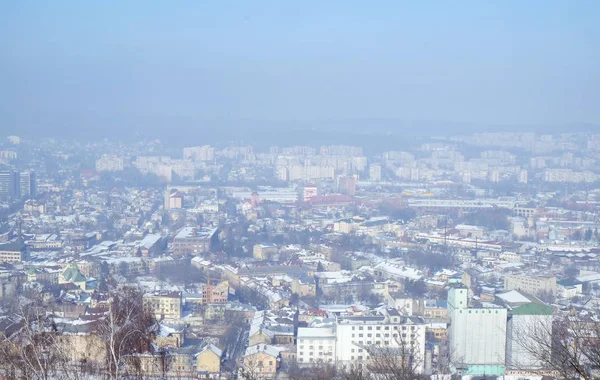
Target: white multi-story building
x,y
199,153
568,175
531,284
316,344
375,172
310,172
477,335
108,163
351,340
358,336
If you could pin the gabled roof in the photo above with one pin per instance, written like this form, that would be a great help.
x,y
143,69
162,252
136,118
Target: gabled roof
x,y
212,348
266,348
72,274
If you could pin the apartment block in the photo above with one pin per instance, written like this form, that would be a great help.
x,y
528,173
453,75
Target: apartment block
x,y
530,284
166,305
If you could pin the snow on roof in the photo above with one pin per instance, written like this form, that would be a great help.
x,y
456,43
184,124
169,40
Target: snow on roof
x,y
266,348
149,240
468,227
211,347
513,297
589,277
399,270
316,332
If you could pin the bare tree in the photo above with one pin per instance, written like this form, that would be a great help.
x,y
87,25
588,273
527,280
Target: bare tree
x,y
32,347
569,347
127,329
402,362
318,370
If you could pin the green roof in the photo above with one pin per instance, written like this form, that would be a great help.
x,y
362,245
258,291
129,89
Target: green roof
x,y
533,309
72,274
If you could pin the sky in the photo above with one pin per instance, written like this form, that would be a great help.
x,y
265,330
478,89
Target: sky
x,y
110,66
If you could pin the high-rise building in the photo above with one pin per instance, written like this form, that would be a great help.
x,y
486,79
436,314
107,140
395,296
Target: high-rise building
x,y
523,176
9,180
27,185
108,163
347,185
199,153
375,172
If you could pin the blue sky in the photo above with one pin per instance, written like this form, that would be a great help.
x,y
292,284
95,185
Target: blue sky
x,y
115,64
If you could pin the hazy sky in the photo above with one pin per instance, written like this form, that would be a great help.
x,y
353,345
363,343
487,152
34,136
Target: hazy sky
x,y
122,64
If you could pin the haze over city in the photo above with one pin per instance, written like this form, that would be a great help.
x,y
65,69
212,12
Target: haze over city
x,y
300,190
196,66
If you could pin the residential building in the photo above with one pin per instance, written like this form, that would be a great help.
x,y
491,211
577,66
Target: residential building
x,y
262,361
13,252
316,344
9,187
375,172
347,185
208,360
265,251
27,185
215,293
193,240
530,284
199,153
166,305
109,163
357,337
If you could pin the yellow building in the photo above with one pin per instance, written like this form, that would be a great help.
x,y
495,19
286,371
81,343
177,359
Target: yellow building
x,y
165,305
209,360
72,275
304,286
530,284
169,337
261,361
264,251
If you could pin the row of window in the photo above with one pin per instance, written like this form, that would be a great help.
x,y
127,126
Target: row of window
x,y
378,328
